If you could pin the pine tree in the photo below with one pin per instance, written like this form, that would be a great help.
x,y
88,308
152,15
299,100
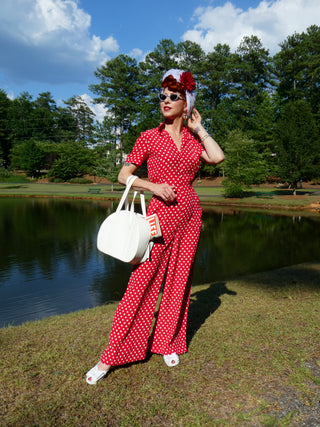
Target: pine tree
x,y
298,144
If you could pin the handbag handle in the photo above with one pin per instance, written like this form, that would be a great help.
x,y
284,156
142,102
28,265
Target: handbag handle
x,y
142,202
124,198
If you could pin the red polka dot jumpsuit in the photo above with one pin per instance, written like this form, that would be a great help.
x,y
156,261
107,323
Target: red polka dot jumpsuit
x,y
171,258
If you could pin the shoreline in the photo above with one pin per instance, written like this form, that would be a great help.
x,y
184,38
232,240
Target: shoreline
x,y
309,203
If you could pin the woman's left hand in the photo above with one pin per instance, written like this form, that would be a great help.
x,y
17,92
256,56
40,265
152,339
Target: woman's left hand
x,y
194,123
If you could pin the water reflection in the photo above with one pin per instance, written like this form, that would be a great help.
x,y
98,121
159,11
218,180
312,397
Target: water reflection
x,y
246,242
49,263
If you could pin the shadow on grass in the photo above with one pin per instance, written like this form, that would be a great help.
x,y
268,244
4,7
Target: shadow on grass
x,y
290,192
202,304
13,186
270,194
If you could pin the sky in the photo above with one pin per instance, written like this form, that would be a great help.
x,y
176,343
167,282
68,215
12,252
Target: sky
x,y
56,45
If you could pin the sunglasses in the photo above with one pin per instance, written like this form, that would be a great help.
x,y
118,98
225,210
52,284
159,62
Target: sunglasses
x,y
172,96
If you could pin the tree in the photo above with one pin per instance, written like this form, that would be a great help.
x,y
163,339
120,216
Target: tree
x,y
5,142
289,65
109,165
190,57
29,156
65,125
260,129
215,77
244,166
156,63
21,123
235,89
298,144
297,67
120,91
73,161
42,118
251,68
313,68
83,118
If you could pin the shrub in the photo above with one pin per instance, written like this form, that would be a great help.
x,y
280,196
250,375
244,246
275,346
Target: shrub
x,y
73,161
30,157
233,189
6,176
4,173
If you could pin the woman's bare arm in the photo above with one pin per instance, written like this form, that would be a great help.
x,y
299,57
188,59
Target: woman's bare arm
x,y
164,190
213,153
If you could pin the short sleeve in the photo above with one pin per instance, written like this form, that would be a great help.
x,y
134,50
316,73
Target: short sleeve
x,y
140,151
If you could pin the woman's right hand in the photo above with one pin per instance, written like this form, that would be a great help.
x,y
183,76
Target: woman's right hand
x,y
165,191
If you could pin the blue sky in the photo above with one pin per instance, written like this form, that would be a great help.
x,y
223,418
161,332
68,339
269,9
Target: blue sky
x,y
55,45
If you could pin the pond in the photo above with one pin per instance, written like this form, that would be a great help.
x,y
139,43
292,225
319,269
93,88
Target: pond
x,y
49,263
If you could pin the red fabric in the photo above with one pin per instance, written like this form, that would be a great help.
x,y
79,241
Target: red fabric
x,y
173,254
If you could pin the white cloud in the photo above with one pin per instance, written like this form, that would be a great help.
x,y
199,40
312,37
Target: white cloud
x,y
49,41
99,109
136,53
271,21
10,95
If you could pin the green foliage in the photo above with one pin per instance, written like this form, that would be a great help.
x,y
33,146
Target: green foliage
x,y
5,142
156,63
244,166
4,173
43,117
121,90
83,117
6,176
251,68
191,56
298,143
297,68
73,161
208,170
233,189
214,76
109,165
29,156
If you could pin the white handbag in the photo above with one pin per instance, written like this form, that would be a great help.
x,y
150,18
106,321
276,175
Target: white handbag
x,y
125,234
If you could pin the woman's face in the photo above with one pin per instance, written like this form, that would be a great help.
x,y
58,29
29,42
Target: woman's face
x,y
172,109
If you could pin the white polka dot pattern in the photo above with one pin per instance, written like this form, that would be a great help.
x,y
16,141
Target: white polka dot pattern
x,y
172,256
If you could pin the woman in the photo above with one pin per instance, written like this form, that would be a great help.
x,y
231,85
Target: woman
x,y
173,153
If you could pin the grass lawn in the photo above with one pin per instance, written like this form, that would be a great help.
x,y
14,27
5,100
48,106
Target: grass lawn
x,y
253,360
265,197
67,190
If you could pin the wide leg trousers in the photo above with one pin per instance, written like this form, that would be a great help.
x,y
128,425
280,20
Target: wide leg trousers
x,y
171,262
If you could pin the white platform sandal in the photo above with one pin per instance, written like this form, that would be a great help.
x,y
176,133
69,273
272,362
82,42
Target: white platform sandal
x,y
171,359
95,375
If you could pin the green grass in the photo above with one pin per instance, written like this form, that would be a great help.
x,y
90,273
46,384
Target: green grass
x,y
60,190
253,359
268,198
15,179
